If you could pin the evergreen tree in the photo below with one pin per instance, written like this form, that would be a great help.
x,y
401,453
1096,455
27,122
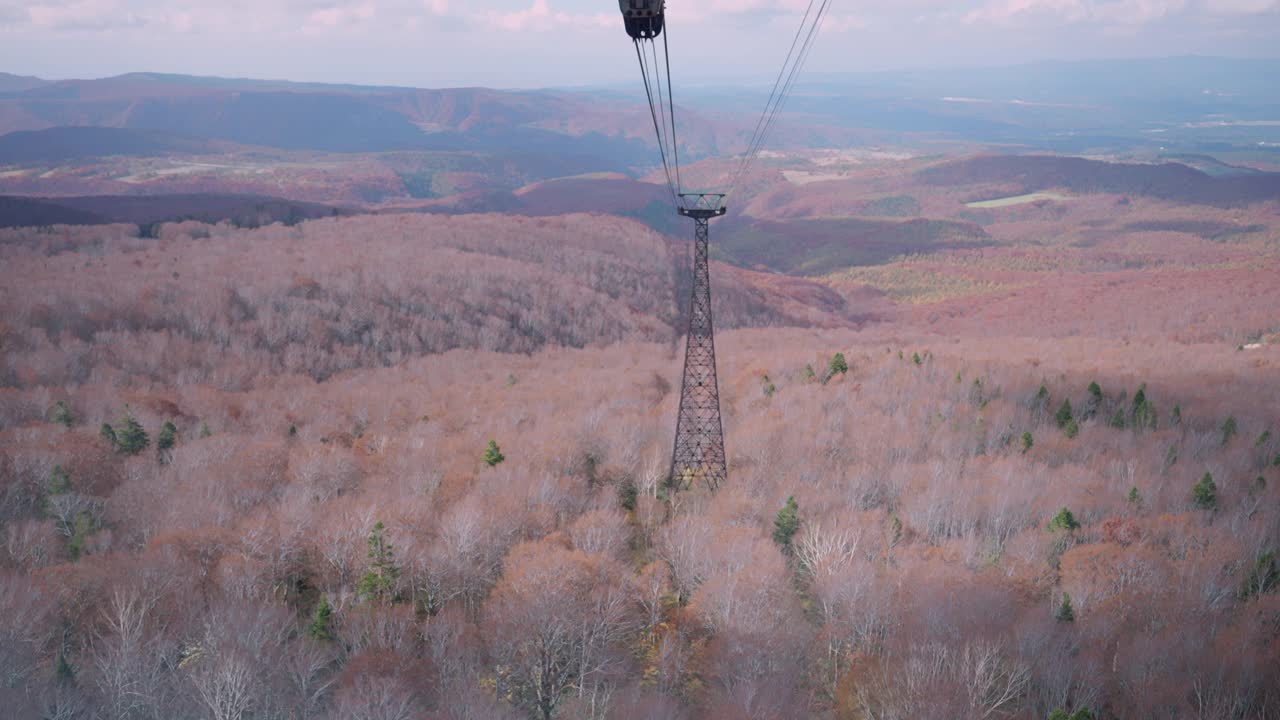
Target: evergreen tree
x,y
205,431
1176,418
82,527
809,375
837,366
786,524
1134,498
293,430
1094,403
167,438
628,494
63,672
106,432
131,439
1027,442
61,415
380,579
1263,578
1065,613
1082,714
1064,520
59,482
1205,493
319,627
1064,415
915,358
1072,429
1229,430
493,455
1059,714
1117,420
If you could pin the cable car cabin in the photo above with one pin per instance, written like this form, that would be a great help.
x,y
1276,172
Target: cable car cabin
x,y
643,18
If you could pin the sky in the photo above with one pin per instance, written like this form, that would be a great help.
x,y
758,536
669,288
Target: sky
x,y
565,43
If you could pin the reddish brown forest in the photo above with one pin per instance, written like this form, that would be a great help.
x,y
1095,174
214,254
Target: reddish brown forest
x,y
414,468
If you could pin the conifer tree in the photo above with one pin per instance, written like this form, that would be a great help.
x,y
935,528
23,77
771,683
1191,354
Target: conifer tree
x,y
1027,442
1065,613
1229,430
61,415
1064,520
1064,415
1072,429
108,433
786,524
131,439
1094,403
165,441
319,627
838,365
205,431
493,455
1205,493
1134,498
380,579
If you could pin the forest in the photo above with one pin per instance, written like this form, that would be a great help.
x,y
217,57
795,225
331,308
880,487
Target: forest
x,y
415,467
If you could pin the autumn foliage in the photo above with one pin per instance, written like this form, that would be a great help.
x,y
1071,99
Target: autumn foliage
x,y
322,528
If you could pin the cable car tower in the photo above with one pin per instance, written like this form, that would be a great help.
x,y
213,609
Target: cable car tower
x,y
698,455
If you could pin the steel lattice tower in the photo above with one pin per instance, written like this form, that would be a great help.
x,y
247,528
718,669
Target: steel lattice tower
x,y
699,454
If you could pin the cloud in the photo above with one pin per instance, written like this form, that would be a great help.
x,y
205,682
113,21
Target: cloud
x,y
540,16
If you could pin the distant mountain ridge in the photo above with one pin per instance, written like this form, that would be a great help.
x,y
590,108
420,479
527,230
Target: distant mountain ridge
x,y
19,83
1166,181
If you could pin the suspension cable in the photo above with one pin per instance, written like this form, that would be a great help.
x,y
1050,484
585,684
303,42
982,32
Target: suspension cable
x,y
657,127
671,105
799,52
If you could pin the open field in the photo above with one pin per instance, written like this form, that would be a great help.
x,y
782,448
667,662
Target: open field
x,y
1017,200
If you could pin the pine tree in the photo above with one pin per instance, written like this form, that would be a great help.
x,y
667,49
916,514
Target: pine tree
x,y
838,366
493,455
1065,613
1027,442
106,432
61,415
380,579
1064,520
59,482
205,431
1263,578
1072,429
809,375
1117,420
1082,714
1094,404
1064,415
1134,498
131,438
1229,430
1205,493
319,627
786,524
63,672
1176,418
915,358
166,439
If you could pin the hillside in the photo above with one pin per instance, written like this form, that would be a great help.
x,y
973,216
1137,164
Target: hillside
x,y
1174,182
322,517
241,210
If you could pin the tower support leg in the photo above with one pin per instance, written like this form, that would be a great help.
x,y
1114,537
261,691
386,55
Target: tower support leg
x,y
699,455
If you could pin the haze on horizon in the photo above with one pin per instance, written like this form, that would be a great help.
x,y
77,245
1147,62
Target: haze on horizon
x,y
542,43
